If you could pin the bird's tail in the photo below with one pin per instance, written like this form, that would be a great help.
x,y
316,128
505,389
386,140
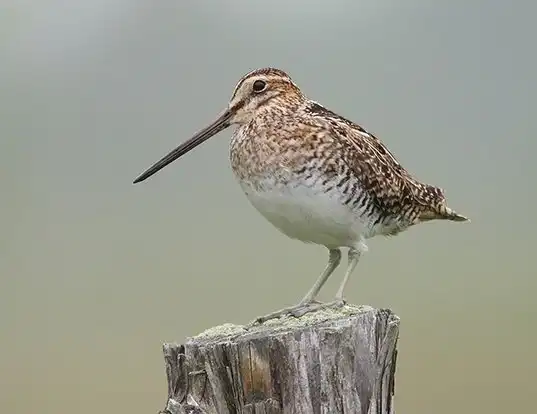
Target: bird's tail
x,y
438,209
449,214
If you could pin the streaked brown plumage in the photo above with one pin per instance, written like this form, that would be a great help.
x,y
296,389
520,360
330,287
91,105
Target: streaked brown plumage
x,y
315,175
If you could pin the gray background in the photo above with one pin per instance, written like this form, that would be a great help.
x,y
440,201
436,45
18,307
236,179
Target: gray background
x,y
96,273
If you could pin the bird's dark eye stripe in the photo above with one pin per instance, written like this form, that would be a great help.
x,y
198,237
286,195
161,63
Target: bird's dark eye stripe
x,y
259,85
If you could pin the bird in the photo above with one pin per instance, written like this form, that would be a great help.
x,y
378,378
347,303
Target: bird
x,y
316,176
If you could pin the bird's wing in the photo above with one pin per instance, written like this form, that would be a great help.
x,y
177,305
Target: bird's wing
x,y
390,185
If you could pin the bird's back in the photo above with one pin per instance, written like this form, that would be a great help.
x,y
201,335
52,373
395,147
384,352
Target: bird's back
x,y
322,178
397,199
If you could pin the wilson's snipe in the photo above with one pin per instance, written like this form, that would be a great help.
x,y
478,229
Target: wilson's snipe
x,y
315,175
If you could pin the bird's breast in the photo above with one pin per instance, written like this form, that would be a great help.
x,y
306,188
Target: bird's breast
x,y
303,211
302,202
313,197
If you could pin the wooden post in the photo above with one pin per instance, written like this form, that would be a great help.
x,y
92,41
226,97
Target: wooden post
x,y
330,361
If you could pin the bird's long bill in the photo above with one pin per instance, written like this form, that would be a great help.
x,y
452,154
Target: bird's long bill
x,y
218,125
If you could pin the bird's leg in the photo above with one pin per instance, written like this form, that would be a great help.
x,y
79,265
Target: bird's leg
x,y
339,301
334,258
353,258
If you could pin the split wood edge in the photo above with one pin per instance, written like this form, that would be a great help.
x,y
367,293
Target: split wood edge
x,y
205,374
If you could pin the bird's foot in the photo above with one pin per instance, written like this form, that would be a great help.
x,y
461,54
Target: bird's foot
x,y
335,304
298,310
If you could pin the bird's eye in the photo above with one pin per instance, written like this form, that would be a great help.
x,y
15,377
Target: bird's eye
x,y
259,86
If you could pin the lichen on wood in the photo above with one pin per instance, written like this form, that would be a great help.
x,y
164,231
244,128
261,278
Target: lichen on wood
x,y
330,361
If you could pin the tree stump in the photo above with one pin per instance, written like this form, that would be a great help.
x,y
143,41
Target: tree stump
x,y
330,361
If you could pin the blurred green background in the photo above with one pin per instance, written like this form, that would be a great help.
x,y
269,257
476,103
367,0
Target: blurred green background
x,y
96,273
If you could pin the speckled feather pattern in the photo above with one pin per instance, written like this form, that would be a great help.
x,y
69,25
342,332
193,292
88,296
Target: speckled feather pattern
x,y
314,175
294,147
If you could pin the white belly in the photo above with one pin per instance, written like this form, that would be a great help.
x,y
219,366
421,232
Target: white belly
x,y
307,214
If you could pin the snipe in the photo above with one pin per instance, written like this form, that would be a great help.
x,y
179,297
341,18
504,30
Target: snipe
x,y
315,175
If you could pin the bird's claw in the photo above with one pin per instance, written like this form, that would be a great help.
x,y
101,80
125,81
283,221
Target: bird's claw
x,y
298,311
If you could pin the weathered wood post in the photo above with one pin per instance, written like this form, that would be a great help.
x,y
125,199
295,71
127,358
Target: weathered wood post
x,y
330,361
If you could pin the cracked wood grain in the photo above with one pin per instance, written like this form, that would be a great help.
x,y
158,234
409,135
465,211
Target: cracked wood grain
x,y
325,362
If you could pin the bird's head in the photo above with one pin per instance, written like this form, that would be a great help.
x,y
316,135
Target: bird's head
x,y
265,89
